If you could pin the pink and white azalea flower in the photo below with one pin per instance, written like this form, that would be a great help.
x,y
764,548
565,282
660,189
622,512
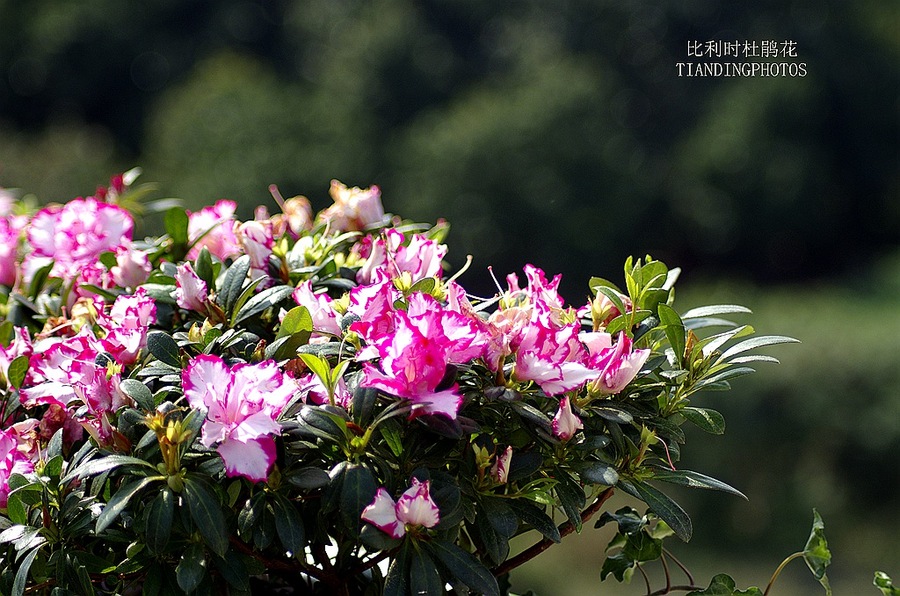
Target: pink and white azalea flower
x,y
414,509
618,364
132,267
242,405
190,291
256,239
320,308
392,256
566,423
127,325
500,469
12,461
354,209
214,228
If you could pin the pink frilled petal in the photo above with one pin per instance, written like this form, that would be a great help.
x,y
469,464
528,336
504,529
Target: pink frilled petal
x,y
445,402
596,341
415,507
251,459
319,305
132,267
190,291
552,377
566,423
255,426
382,513
203,379
265,383
617,378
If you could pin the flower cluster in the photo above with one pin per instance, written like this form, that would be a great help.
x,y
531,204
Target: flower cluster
x,y
234,395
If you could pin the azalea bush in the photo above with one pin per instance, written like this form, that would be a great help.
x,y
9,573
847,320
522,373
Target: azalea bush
x,y
314,402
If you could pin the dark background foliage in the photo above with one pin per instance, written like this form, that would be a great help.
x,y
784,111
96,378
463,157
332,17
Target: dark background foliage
x,y
555,133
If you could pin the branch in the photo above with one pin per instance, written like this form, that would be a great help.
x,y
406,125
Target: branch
x,y
564,530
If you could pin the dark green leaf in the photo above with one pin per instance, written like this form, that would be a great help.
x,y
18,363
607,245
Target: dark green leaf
x,y
363,404
628,520
571,497
207,514
192,568
119,502
53,467
535,517
598,473
396,583
18,368
423,574
613,414
667,509
816,552
464,567
233,282
708,420
757,342
374,539
310,478
203,267
250,514
22,574
674,330
641,547
357,492
104,464
139,393
391,433
260,302
158,520
723,585
164,348
694,480
234,570
619,565
884,583
289,525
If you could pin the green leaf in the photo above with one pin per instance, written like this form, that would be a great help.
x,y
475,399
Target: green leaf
x,y
296,320
18,368
694,480
641,547
674,328
158,520
203,267
464,567
619,565
391,433
667,509
627,519
757,342
139,393
318,366
723,585
715,310
816,553
22,574
207,514
614,414
598,473
423,574
883,582
233,282
38,280
260,302
191,569
104,464
176,223
396,583
289,525
164,348
119,502
535,517
357,492
310,478
708,420
571,497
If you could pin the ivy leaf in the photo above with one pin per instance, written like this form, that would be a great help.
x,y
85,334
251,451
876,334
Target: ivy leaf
x,y
723,585
620,565
816,553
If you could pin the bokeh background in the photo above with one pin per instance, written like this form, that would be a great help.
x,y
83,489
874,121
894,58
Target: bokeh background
x,y
557,133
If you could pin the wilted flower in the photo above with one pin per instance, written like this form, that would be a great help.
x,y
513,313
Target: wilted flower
x,y
354,209
414,509
500,469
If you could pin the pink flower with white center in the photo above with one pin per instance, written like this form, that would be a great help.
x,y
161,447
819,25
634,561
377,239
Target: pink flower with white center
x,y
374,305
414,509
59,369
74,236
414,366
242,405
12,461
566,423
354,209
500,469
618,364
190,291
127,325
463,338
256,239
214,228
320,308
132,267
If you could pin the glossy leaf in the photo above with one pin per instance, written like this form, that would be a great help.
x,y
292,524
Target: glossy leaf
x,y
117,504
164,348
535,517
158,520
667,509
296,320
464,567
357,492
17,370
423,574
708,420
694,480
723,585
138,392
206,512
191,568
289,525
232,283
261,301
